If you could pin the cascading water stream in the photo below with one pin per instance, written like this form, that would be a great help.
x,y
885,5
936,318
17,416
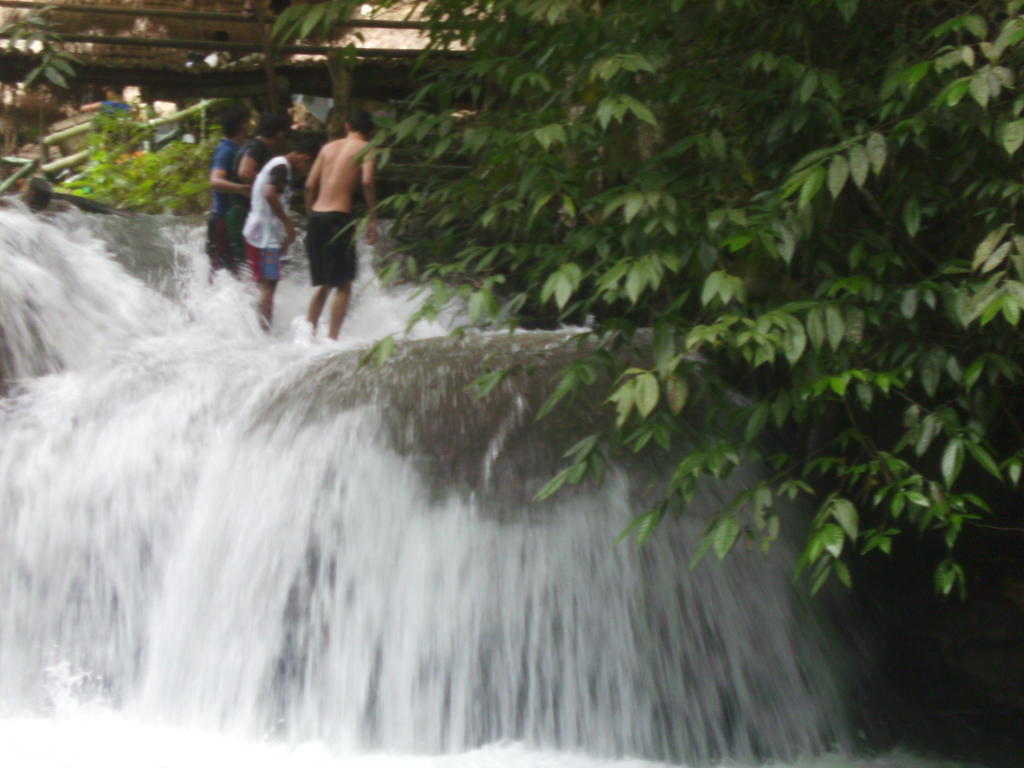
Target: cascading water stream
x,y
245,550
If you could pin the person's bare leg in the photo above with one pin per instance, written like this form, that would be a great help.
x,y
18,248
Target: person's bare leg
x,y
339,307
267,288
316,305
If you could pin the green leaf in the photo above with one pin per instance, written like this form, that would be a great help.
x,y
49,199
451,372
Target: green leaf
x,y
723,536
712,286
477,306
952,461
876,151
838,172
1012,136
550,135
382,350
794,342
908,306
568,381
835,326
976,25
634,203
831,538
980,89
859,164
984,458
847,8
932,364
816,327
647,393
843,573
845,514
809,85
624,398
483,385
947,575
642,527
912,216
987,246
552,486
1014,468
929,429
811,185
313,16
638,109
758,418
55,77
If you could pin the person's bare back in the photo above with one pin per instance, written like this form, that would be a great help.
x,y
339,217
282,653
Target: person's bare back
x,y
337,174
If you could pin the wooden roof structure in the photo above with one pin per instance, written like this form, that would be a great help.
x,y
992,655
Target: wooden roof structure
x,y
159,45
110,18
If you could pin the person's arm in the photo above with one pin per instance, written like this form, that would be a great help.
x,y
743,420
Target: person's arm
x,y
247,169
370,194
278,184
219,181
312,187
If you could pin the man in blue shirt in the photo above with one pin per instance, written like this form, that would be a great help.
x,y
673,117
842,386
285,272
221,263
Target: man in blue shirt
x,y
225,186
112,104
270,140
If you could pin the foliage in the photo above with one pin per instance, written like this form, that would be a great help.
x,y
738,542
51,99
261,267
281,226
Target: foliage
x,y
173,179
317,20
36,30
812,205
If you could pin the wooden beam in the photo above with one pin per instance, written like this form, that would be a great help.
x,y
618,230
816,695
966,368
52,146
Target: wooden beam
x,y
233,18
210,45
267,44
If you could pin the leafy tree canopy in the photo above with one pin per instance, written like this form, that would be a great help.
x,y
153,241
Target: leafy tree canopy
x,y
811,204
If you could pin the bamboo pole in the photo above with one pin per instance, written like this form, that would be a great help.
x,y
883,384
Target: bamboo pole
x,y
65,162
67,133
200,107
77,130
13,179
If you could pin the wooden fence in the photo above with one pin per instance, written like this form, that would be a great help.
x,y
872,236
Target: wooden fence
x,y
47,167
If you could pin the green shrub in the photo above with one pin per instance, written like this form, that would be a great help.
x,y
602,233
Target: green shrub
x,y
173,179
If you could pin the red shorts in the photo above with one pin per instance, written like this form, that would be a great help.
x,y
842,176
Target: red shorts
x,y
265,263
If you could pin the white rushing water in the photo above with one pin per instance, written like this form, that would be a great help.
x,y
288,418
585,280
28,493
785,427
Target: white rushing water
x,y
203,564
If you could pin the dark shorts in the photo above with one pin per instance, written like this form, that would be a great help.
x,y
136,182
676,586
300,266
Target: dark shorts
x,y
234,220
332,257
218,247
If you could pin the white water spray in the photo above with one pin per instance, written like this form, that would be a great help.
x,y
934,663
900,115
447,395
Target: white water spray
x,y
199,552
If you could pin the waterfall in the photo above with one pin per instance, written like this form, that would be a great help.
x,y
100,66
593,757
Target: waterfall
x,y
206,530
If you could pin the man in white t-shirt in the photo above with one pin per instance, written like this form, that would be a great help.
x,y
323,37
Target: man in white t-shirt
x,y
268,231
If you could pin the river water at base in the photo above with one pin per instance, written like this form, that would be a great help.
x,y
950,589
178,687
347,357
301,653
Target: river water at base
x,y
220,548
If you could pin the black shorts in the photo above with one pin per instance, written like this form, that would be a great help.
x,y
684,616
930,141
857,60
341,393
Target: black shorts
x,y
332,257
218,248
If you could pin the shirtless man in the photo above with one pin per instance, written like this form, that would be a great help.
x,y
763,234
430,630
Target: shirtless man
x,y
340,167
